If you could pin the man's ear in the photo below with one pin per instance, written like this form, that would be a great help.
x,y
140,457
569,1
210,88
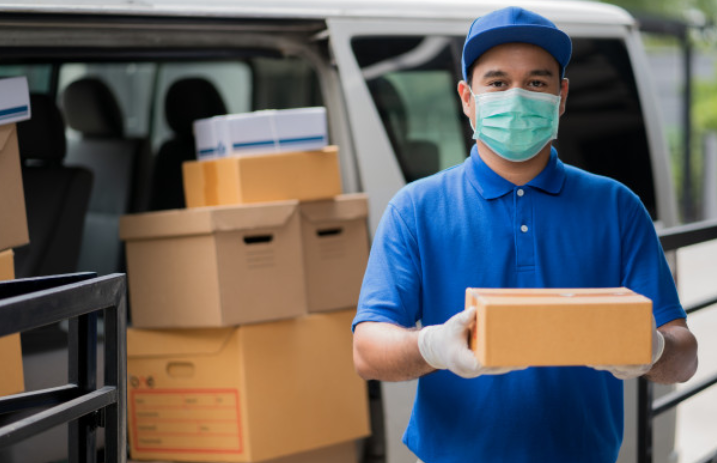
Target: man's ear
x,y
464,92
564,84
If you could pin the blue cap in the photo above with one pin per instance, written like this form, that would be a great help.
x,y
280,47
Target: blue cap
x,y
514,24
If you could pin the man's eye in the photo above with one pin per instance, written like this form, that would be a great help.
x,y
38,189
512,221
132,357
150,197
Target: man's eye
x,y
537,83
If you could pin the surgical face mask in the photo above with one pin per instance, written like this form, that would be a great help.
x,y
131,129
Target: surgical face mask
x,y
516,124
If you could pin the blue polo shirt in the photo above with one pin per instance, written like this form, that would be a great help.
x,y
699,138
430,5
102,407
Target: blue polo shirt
x,y
469,227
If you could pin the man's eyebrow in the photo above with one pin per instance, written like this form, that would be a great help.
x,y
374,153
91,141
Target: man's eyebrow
x,y
490,74
542,73
535,72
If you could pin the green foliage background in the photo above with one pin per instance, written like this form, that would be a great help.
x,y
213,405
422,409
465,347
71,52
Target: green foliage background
x,y
701,13
670,8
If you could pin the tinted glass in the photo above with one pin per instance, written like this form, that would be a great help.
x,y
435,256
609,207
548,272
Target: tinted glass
x,y
39,76
412,82
603,130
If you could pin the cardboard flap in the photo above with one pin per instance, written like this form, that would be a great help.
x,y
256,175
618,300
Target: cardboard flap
x,y
540,296
5,132
172,343
177,222
205,220
253,216
343,207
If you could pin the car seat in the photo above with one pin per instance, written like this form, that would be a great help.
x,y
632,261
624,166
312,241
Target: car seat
x,y
91,109
187,100
416,158
56,196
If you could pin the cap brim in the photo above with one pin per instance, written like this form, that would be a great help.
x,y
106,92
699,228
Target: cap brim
x,y
554,41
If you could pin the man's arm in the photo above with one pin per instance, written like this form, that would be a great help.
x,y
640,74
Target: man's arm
x,y
388,352
679,359
391,353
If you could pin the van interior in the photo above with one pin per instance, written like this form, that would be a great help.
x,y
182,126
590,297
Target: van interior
x,y
108,134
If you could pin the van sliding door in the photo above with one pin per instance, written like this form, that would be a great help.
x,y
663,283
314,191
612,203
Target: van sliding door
x,y
399,80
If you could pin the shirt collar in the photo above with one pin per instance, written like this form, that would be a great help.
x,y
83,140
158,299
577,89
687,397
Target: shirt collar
x,y
490,185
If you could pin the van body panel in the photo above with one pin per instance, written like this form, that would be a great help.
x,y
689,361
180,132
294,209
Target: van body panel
x,y
581,12
657,139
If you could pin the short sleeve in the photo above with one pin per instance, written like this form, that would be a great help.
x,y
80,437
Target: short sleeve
x,y
645,268
392,282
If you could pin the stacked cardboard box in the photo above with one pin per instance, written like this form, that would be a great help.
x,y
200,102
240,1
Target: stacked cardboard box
x,y
260,178
340,453
261,132
262,156
12,379
241,348
249,393
14,107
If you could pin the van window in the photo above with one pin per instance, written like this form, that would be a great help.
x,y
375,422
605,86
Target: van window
x,y
39,76
602,130
139,169
284,83
232,79
245,85
131,84
413,81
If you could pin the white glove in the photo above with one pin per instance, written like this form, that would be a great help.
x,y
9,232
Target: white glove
x,y
634,371
445,347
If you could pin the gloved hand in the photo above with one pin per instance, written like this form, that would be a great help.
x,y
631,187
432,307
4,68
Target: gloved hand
x,y
634,371
445,347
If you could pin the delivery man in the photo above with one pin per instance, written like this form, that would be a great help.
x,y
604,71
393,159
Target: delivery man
x,y
511,216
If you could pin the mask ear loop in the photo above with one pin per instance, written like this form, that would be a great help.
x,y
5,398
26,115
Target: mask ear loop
x,y
475,104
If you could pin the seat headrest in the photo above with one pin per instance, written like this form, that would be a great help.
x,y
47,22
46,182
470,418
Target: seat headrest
x,y
43,136
190,99
91,108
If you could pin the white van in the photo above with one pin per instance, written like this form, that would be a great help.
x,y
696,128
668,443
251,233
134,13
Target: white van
x,y
128,76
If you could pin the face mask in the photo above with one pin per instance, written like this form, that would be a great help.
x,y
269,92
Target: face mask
x,y
516,124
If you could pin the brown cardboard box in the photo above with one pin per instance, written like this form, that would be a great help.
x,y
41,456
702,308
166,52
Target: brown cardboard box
x,y
7,265
335,243
13,222
340,453
12,378
301,175
561,327
210,267
249,393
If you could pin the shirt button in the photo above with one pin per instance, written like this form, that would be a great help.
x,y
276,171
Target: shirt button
x,y
524,228
521,192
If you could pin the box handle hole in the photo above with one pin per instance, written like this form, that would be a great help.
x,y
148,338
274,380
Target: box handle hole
x,y
329,232
258,239
180,369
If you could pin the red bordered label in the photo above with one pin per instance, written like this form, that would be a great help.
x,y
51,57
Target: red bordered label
x,y
186,420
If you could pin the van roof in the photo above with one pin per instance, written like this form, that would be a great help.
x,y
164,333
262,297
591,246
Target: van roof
x,y
560,11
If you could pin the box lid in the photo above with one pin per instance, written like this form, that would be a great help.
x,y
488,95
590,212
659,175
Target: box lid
x,y
542,296
169,343
343,207
205,220
14,100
